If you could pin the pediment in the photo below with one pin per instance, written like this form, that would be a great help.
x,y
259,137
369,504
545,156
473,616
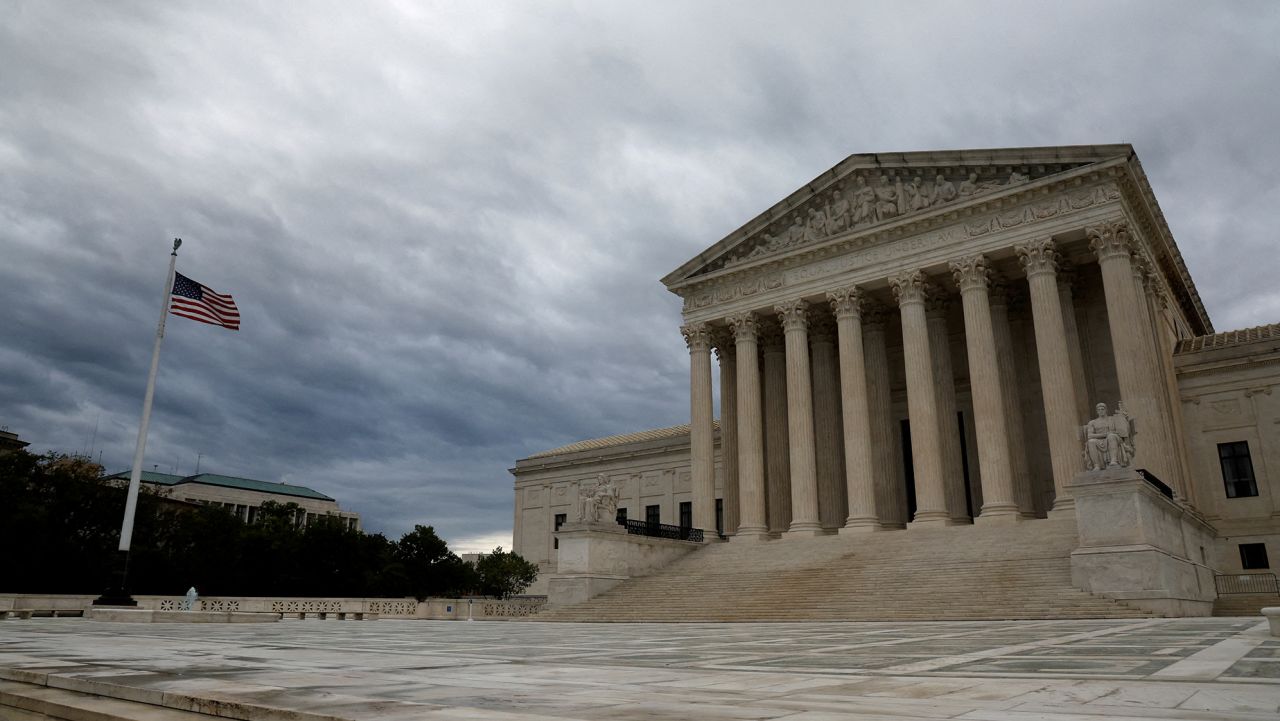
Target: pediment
x,y
867,191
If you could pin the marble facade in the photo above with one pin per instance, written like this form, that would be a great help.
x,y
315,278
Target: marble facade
x,y
896,352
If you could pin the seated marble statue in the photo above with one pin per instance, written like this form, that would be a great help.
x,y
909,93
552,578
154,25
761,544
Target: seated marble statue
x,y
1108,439
598,502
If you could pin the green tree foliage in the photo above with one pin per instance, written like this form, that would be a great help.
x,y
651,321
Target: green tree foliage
x,y
504,573
60,526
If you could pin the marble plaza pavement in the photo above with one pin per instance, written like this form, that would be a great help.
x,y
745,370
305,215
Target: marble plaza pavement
x,y
1201,668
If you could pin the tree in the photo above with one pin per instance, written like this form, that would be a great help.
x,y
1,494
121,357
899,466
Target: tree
x,y
504,573
431,569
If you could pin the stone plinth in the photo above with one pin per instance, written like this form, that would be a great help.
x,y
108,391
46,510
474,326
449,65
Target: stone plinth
x,y
1273,619
1139,546
594,557
122,614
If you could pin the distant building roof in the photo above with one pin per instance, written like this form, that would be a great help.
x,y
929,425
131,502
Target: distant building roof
x,y
593,444
1229,338
11,442
213,479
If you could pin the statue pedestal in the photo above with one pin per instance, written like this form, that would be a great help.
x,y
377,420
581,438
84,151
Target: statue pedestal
x,y
596,556
1139,546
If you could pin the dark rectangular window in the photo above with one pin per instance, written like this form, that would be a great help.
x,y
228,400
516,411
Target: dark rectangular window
x,y
1237,469
621,515
653,514
720,516
1253,556
560,519
686,514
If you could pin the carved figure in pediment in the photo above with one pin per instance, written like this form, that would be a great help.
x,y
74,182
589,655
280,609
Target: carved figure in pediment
x,y
816,228
914,196
837,212
864,202
944,191
886,199
1016,178
795,233
1109,439
969,186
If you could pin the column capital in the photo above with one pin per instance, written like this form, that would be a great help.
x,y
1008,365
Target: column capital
x,y
697,336
909,286
822,329
1110,239
874,314
972,272
722,341
744,326
771,337
1038,256
793,315
936,301
847,302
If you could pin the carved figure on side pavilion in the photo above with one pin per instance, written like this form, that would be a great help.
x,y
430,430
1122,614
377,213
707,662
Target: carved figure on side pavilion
x,y
886,199
1109,439
816,228
944,191
969,186
837,212
598,502
864,202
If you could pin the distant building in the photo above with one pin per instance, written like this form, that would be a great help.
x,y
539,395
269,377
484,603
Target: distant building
x,y
244,496
10,442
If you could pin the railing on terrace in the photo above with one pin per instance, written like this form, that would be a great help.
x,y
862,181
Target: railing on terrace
x,y
663,530
1247,583
1159,485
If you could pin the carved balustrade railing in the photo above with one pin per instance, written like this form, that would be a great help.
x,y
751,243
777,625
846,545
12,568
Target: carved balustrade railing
x,y
1255,583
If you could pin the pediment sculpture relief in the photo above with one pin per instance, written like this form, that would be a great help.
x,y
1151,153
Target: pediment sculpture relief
x,y
1108,439
864,200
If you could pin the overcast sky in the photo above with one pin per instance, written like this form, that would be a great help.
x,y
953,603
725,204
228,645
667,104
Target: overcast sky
x,y
444,223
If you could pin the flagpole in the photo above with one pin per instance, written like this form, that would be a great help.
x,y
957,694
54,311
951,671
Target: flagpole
x,y
119,596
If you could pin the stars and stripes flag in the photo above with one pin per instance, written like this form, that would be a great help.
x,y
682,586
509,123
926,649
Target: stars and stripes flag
x,y
200,302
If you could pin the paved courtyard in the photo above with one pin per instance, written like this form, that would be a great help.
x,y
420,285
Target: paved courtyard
x,y
995,671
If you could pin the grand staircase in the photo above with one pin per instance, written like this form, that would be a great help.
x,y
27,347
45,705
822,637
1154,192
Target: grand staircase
x,y
1020,571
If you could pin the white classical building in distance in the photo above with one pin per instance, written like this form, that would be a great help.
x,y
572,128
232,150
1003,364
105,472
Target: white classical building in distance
x,y
918,339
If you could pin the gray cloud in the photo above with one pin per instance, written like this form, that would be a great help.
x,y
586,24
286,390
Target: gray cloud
x,y
444,225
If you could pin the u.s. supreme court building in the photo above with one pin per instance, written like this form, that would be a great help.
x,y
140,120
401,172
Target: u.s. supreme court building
x,y
915,340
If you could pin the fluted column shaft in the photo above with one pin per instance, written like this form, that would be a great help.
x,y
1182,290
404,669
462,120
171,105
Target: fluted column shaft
x,y
832,498
751,523
1132,341
891,493
1011,397
1040,259
922,402
1066,297
726,353
972,275
948,425
777,452
860,471
803,453
702,469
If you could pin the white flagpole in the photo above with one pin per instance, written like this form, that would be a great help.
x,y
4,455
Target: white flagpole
x,y
135,477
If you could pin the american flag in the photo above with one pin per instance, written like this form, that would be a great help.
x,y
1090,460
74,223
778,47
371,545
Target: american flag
x,y
200,302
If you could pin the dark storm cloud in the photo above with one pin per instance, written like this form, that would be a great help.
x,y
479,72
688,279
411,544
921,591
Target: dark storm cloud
x,y
444,224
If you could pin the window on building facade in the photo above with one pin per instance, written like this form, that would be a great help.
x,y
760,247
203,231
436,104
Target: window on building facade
x,y
621,515
560,519
253,514
1237,469
719,516
653,514
1253,556
686,514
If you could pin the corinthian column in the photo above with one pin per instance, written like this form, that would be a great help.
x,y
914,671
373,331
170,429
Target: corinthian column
x,y
891,493
804,464
832,501
751,525
1011,395
701,429
1131,339
973,276
922,401
860,471
1066,295
936,304
777,456
1040,259
725,353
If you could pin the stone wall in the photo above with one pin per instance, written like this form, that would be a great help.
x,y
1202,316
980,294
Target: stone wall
x,y
401,608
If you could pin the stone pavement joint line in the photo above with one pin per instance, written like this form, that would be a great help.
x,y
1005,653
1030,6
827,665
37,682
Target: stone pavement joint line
x,y
1191,668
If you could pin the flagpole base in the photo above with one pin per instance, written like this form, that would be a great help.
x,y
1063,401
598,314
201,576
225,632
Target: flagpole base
x,y
117,594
